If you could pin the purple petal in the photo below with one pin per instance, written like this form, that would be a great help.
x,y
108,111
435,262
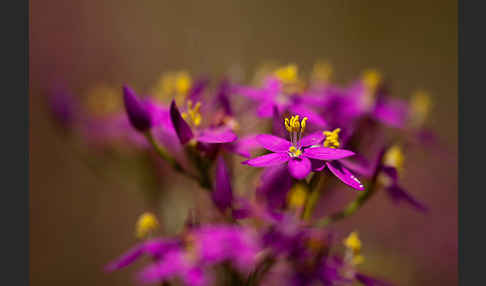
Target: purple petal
x,y
137,112
345,175
299,168
317,165
273,143
392,112
223,97
265,109
272,159
368,281
243,146
222,194
314,118
398,194
216,135
274,185
328,154
126,258
277,123
181,127
312,139
197,89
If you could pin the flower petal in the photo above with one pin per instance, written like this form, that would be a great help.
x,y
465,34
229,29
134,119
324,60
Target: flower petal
x,y
344,175
300,167
313,117
265,109
136,110
398,194
217,135
328,154
312,139
181,127
272,159
222,194
273,143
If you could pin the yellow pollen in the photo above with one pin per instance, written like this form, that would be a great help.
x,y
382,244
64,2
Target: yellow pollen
x,y
145,225
293,124
294,151
193,115
321,72
173,84
297,195
394,157
371,78
332,138
353,242
287,74
357,259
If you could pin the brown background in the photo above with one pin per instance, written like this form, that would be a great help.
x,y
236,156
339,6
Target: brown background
x,y
78,221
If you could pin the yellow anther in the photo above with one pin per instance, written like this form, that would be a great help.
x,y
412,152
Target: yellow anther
x,y
146,224
287,125
287,74
173,84
321,72
394,157
353,242
193,115
420,105
297,195
371,78
332,138
303,124
294,152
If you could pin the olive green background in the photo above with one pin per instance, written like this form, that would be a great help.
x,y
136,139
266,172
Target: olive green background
x,y
79,221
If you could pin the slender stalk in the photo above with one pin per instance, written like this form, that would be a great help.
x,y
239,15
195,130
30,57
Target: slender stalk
x,y
313,197
353,206
164,155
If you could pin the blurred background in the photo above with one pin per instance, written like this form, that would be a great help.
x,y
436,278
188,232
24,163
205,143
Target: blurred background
x,y
80,220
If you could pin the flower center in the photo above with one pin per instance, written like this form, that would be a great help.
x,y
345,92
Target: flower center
x,y
332,138
193,115
296,129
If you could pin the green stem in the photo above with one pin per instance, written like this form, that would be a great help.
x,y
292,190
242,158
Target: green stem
x,y
353,206
313,197
164,155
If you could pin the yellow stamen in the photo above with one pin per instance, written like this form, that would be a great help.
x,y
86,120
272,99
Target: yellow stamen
x,y
371,78
420,106
173,84
394,157
297,196
357,259
287,74
295,129
145,225
193,115
294,152
332,138
353,242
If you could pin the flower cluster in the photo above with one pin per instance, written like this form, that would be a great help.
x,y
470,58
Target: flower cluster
x,y
308,135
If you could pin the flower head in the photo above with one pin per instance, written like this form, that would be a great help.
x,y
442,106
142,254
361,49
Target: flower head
x,y
298,152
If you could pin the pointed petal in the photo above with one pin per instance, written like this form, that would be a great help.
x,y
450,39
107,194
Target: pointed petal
x,y
299,168
217,135
243,146
136,110
398,194
312,139
328,154
344,175
222,194
272,159
126,258
273,143
181,127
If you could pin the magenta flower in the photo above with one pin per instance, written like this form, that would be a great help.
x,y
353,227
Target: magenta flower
x,y
207,135
298,152
137,111
271,96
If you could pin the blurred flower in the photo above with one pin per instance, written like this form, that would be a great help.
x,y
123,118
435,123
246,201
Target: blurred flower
x,y
146,224
137,111
222,194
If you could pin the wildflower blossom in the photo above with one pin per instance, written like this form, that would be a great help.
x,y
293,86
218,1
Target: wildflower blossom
x,y
295,152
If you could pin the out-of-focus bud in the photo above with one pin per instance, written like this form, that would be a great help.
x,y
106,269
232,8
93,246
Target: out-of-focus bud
x,y
137,112
146,224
